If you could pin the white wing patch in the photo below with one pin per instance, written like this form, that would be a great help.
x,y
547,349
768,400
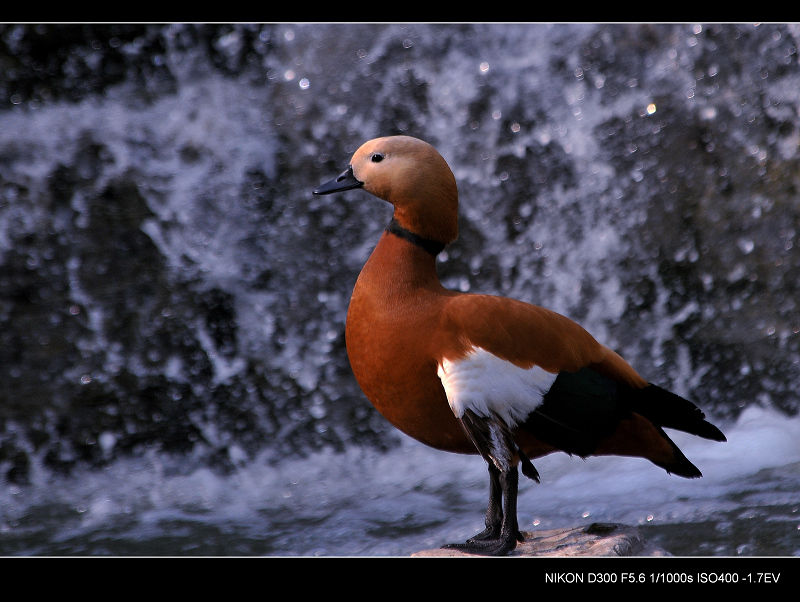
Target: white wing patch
x,y
486,384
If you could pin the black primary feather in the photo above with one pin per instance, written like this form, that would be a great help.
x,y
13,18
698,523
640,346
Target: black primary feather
x,y
583,407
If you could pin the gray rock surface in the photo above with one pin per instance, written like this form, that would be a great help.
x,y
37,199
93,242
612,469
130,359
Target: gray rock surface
x,y
598,539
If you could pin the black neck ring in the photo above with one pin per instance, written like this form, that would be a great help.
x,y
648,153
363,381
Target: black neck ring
x,y
433,247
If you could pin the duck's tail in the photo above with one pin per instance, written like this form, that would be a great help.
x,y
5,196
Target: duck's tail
x,y
668,410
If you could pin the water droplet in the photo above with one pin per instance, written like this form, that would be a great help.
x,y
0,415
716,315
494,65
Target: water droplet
x,y
708,113
304,83
107,441
484,66
744,370
746,245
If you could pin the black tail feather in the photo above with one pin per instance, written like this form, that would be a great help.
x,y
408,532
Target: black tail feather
x,y
680,464
666,409
528,469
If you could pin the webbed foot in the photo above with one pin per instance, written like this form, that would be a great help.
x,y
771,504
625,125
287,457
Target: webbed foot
x,y
488,544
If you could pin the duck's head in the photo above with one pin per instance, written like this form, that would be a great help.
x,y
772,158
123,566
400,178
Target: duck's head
x,y
411,175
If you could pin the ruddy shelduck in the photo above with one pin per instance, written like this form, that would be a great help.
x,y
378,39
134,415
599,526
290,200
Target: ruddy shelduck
x,y
472,373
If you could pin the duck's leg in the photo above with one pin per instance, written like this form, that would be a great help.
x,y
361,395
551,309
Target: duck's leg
x,y
509,531
494,514
502,531
493,440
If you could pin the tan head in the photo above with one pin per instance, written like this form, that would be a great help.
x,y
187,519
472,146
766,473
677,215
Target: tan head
x,y
411,175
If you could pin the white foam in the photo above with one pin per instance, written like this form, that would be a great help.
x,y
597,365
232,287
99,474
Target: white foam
x,y
362,502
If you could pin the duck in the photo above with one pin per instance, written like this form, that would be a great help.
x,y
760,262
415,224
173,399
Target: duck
x,y
481,374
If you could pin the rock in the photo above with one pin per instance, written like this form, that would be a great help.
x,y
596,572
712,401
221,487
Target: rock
x,y
598,539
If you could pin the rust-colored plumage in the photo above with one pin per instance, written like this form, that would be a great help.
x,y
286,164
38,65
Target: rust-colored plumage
x,y
545,383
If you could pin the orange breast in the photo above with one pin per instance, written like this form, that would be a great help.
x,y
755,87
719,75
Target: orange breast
x,y
390,323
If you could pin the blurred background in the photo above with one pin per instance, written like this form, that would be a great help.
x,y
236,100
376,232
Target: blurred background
x,y
173,299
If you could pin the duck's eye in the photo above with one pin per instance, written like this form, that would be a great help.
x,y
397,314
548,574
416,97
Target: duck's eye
x,y
377,158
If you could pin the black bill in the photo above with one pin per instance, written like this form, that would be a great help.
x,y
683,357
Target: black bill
x,y
346,181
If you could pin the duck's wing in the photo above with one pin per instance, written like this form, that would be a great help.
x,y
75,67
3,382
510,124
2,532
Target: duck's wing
x,y
539,372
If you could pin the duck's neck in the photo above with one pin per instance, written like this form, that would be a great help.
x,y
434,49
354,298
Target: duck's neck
x,y
400,262
434,247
